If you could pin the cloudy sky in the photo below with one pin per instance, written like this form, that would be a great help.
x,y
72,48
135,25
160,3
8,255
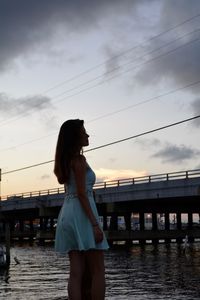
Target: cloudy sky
x,y
125,67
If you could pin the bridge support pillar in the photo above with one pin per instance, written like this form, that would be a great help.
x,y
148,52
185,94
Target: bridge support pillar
x,y
141,221
31,230
167,225
21,229
51,223
190,221
113,224
154,221
190,227
46,219
114,221
179,226
42,227
154,226
41,223
166,221
21,225
105,224
12,225
31,225
127,218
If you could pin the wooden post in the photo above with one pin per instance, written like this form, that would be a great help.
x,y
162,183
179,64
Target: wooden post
x,y
7,236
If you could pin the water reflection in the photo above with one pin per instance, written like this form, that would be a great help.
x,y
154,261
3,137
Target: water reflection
x,y
140,272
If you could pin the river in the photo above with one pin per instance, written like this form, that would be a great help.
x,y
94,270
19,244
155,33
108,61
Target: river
x,y
140,272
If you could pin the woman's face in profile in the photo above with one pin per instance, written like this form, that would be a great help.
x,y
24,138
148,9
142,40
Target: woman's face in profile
x,y
84,137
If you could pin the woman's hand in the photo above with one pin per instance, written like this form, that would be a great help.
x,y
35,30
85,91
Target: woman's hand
x,y
98,234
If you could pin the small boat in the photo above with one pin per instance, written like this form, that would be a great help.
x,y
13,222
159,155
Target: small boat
x,y
3,262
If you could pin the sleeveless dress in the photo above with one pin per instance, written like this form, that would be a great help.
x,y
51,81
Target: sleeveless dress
x,y
74,230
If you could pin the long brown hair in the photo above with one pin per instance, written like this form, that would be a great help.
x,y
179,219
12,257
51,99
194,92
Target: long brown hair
x,y
68,146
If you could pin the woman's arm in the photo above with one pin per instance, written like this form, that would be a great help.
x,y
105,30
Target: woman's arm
x,y
79,167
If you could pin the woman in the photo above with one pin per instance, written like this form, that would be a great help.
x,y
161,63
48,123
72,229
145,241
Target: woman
x,y
78,232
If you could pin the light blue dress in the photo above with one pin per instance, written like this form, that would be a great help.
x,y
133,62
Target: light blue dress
x,y
74,230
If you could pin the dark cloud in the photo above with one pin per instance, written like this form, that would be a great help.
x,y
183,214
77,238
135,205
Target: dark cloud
x,y
9,105
176,154
181,65
26,25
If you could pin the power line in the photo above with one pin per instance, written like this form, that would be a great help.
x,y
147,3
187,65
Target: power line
x,y
121,54
125,71
128,107
28,142
146,101
112,143
24,113
128,70
192,84
145,133
128,63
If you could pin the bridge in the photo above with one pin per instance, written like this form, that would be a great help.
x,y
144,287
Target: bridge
x,y
157,196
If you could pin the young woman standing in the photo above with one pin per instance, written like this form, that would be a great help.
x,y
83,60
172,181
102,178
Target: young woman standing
x,y
78,231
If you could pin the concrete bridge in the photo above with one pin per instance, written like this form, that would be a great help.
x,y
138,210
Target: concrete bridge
x,y
157,196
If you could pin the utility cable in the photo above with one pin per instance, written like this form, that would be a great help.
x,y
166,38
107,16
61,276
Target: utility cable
x,y
128,70
110,144
28,142
24,113
128,63
121,54
113,77
123,109
144,133
192,84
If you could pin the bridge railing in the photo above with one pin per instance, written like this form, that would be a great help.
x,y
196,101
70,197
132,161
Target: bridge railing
x,y
112,183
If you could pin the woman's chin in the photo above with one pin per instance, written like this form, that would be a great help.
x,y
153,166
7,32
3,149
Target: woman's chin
x,y
85,145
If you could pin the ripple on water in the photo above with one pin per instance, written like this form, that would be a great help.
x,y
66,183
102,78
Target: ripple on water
x,y
148,272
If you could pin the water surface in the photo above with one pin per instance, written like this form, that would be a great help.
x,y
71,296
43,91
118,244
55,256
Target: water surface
x,y
141,272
